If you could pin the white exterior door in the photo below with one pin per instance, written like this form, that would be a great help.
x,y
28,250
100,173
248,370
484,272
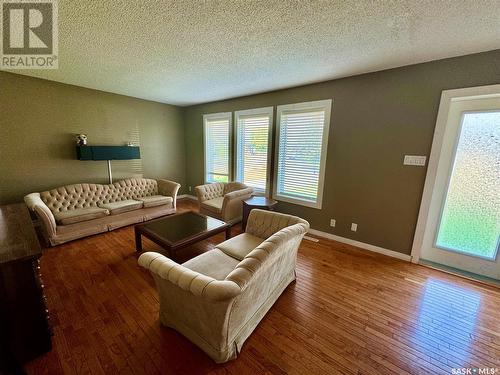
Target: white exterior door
x,y
459,225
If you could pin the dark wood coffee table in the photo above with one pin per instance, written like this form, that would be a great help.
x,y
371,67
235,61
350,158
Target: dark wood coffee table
x,y
180,230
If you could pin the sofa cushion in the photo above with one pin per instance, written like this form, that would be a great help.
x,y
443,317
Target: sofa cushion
x,y
79,215
213,205
155,200
240,246
213,263
119,207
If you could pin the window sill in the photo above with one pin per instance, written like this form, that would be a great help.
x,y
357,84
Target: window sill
x,y
301,202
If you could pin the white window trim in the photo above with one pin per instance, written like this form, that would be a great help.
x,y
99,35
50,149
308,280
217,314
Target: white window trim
x,y
256,111
325,105
217,116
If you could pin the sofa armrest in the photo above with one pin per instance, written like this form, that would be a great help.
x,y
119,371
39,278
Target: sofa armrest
x,y
232,206
36,204
263,224
169,189
233,186
188,280
239,194
209,191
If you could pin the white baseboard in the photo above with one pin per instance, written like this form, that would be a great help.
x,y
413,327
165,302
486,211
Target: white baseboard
x,y
187,196
362,245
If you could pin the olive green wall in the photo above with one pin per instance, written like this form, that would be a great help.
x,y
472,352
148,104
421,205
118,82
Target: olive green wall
x,y
38,122
376,119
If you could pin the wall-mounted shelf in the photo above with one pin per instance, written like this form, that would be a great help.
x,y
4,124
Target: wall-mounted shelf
x,y
108,153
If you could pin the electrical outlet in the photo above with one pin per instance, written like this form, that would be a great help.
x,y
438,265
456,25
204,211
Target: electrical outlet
x,y
190,188
354,227
332,222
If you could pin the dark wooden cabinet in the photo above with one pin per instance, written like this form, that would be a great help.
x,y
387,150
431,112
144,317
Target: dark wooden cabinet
x,y
25,331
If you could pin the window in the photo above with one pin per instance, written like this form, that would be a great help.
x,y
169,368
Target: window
x,y
217,129
301,144
253,129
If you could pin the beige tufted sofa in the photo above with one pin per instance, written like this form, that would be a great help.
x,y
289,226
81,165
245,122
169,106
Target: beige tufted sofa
x,y
223,200
75,211
217,299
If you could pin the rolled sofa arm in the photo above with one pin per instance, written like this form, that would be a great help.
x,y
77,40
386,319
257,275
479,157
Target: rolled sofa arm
x,y
36,204
169,189
239,194
285,239
232,207
194,282
200,192
233,186
263,223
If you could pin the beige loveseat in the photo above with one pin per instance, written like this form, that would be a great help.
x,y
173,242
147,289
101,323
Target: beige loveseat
x,y
75,211
217,299
223,200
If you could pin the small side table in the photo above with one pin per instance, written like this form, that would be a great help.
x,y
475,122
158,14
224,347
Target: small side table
x,y
261,203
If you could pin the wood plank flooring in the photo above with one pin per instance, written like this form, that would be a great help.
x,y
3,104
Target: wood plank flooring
x,y
349,312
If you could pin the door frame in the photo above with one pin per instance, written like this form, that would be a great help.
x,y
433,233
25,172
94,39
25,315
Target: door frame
x,y
447,97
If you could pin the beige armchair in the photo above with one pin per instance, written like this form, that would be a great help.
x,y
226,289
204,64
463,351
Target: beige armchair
x,y
217,299
223,200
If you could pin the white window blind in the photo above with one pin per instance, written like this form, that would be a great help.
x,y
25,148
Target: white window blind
x,y
301,152
217,129
252,147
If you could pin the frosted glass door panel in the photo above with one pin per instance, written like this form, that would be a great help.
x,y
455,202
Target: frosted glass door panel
x,y
470,219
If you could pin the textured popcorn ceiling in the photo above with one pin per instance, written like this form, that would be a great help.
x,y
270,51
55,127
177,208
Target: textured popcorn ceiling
x,y
185,52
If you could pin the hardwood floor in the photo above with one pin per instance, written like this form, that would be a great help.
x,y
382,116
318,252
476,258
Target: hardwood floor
x,y
349,312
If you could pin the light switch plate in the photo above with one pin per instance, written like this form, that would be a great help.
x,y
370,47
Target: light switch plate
x,y
417,160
